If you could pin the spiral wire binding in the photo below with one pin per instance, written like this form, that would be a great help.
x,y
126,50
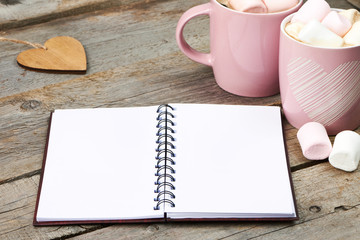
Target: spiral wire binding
x,y
164,157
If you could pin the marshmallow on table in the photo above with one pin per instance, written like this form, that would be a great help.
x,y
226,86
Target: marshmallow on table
x,y
337,23
314,141
346,152
250,6
279,5
293,29
352,15
312,9
352,38
316,34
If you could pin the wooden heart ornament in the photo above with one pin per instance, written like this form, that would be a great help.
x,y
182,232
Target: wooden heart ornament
x,y
61,54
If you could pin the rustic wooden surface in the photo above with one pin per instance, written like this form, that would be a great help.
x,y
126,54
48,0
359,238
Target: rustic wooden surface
x,y
133,60
355,3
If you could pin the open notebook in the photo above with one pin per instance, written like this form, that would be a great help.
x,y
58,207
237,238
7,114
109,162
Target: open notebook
x,y
162,163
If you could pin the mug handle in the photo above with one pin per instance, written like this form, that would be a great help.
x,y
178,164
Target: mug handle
x,y
203,58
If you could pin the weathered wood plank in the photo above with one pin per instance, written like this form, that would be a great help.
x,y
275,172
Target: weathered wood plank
x,y
342,224
14,10
17,203
112,38
356,3
16,13
342,4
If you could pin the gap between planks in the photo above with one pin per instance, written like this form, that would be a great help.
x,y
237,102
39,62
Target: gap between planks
x,y
26,175
87,230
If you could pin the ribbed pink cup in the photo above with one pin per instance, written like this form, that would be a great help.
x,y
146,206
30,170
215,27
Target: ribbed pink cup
x,y
319,84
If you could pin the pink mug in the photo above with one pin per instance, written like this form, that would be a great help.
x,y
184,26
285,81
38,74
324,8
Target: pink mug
x,y
319,84
244,48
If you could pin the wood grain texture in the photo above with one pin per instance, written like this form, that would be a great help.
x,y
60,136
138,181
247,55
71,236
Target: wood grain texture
x,y
61,53
111,38
17,203
18,13
356,3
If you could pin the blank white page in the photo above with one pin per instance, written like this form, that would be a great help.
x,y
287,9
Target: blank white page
x,y
230,162
100,165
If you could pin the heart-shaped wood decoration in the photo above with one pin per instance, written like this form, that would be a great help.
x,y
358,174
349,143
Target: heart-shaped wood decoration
x,y
324,97
62,53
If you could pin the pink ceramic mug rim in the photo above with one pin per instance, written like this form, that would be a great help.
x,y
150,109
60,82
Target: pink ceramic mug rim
x,y
288,18
259,14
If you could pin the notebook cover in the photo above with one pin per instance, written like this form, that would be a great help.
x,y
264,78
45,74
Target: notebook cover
x,y
289,172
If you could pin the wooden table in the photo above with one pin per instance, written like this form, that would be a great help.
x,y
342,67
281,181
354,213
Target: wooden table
x,y
133,60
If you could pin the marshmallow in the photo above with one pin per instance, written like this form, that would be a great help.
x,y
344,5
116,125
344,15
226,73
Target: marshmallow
x,y
346,152
314,141
250,6
352,38
224,2
312,9
293,29
337,23
279,5
316,34
352,15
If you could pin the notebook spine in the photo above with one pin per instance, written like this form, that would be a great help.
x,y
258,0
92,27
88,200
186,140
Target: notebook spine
x,y
164,184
